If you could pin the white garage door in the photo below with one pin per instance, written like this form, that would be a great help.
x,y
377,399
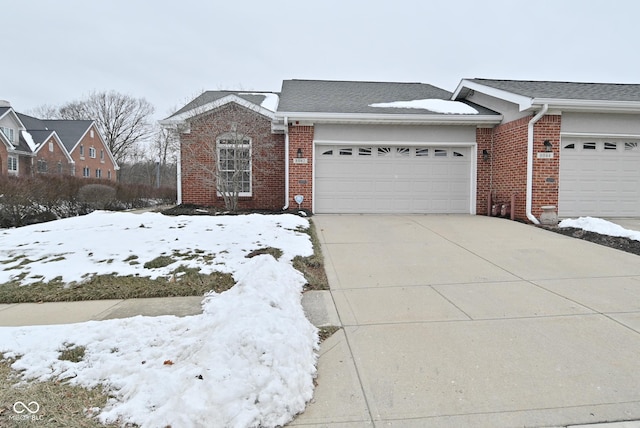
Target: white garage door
x,y
599,177
392,179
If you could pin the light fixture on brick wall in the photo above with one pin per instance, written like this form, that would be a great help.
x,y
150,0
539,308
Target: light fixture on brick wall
x,y
547,145
485,154
299,153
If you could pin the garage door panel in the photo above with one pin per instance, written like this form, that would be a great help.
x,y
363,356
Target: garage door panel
x,y
393,179
603,181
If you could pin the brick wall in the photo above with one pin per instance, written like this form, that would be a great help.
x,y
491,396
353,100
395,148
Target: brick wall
x,y
3,159
198,158
546,172
52,158
105,165
301,175
507,171
484,138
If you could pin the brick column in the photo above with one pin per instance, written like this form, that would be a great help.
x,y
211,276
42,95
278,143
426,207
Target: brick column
x,y
301,174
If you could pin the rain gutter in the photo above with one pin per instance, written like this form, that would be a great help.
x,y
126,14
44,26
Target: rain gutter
x,y
532,122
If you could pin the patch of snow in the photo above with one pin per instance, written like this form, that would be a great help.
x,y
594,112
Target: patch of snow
x,y
102,243
29,139
431,104
601,226
248,360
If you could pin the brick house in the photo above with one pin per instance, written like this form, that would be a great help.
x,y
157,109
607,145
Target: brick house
x,y
387,147
71,147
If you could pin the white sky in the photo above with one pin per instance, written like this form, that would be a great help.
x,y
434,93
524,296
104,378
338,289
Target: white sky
x,y
168,51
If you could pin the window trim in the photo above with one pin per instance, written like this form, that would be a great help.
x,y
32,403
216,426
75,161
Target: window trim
x,y
246,144
12,160
92,152
9,133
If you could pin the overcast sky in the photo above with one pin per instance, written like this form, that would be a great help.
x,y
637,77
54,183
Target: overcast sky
x,y
170,51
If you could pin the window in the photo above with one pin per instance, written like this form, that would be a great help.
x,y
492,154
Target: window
x,y
109,174
8,132
402,151
86,172
440,153
327,153
42,165
589,146
12,164
92,152
234,164
346,152
81,150
364,151
98,173
91,133
101,155
570,146
384,151
630,146
422,151
59,167
50,146
457,154
610,146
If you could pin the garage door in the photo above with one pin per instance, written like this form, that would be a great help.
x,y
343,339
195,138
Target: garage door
x,y
599,177
392,179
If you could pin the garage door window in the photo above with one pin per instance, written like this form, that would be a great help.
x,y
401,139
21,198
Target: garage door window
x,y
384,151
422,152
327,153
589,146
610,146
440,153
346,152
631,146
403,151
364,151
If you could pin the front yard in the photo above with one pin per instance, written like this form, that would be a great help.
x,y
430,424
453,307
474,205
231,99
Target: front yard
x,y
248,360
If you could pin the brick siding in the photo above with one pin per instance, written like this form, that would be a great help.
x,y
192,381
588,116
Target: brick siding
x,y
301,175
198,158
506,173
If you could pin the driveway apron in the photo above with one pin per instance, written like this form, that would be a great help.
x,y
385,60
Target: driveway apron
x,y
454,320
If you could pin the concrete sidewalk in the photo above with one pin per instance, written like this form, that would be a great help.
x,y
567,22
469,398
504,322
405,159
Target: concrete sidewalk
x,y
465,321
318,307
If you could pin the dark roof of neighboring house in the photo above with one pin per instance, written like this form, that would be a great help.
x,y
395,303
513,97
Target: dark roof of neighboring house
x,y
3,110
207,97
566,90
69,131
31,123
326,96
40,136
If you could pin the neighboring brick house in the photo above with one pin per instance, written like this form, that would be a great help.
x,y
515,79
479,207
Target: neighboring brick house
x,y
69,147
387,147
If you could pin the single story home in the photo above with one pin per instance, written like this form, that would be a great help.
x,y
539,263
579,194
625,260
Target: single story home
x,y
389,147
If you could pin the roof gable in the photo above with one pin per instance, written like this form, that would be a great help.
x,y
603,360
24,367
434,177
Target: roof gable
x,y
264,103
530,94
70,132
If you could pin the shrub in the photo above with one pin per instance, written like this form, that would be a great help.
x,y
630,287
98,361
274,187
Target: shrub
x,y
97,196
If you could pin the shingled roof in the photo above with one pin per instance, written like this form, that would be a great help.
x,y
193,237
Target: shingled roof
x,y
349,97
566,90
255,97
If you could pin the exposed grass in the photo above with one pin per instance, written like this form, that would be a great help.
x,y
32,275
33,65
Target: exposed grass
x,y
72,353
326,332
275,252
312,267
60,405
159,262
183,282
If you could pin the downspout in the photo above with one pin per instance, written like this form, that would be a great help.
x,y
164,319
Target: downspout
x,y
179,176
532,122
286,164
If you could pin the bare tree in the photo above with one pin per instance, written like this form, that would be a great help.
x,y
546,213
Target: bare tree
x,y
122,120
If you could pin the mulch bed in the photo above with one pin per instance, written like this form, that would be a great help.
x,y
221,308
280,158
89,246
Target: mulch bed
x,y
617,242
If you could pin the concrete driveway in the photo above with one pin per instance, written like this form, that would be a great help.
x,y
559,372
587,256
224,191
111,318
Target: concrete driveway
x,y
456,321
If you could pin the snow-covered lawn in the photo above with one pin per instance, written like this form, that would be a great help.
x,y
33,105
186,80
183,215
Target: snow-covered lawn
x,y
248,360
601,226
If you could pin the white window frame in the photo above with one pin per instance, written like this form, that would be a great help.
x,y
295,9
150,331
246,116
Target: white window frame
x,y
12,164
223,144
86,172
92,152
9,133
98,173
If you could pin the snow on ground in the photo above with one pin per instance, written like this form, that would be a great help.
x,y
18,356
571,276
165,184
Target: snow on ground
x,y
106,242
601,226
248,360
431,104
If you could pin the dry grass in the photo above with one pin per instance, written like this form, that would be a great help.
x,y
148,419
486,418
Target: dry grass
x,y
61,405
183,282
313,266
